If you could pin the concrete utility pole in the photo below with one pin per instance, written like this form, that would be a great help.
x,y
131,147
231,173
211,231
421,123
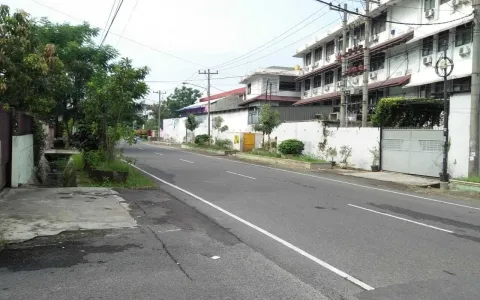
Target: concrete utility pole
x,y
160,93
343,96
366,63
474,148
209,74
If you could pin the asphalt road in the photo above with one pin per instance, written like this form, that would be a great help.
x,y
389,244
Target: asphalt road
x,y
347,239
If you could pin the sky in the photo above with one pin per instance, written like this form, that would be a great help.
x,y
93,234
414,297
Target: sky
x,y
177,38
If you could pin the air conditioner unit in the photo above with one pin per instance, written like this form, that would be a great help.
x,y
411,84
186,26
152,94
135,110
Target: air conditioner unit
x,y
315,91
429,13
354,80
374,38
307,69
305,94
333,117
327,88
427,60
339,83
373,75
464,51
316,64
327,58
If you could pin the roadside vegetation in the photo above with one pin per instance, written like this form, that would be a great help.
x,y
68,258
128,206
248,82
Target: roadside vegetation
x,y
474,179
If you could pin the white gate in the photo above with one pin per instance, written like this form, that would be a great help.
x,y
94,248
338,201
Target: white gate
x,y
413,151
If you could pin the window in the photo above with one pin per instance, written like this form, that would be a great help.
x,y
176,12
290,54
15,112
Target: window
x,y
317,81
340,44
463,34
359,33
339,74
462,84
307,84
253,116
379,24
328,77
427,48
377,62
318,54
287,86
249,89
443,38
439,88
330,48
429,4
425,91
308,59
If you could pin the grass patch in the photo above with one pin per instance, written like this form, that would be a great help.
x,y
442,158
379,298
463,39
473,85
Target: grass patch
x,y
211,147
135,180
474,179
304,157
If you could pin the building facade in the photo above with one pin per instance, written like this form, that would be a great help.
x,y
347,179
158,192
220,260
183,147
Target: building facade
x,y
403,55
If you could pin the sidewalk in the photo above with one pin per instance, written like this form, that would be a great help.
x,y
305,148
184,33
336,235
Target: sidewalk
x,y
174,252
399,178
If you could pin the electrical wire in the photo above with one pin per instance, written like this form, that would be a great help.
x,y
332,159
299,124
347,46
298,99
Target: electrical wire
x,y
109,16
219,78
111,23
125,38
128,21
252,52
395,22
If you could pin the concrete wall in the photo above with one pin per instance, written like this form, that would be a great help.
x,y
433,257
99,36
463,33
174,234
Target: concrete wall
x,y
459,123
22,159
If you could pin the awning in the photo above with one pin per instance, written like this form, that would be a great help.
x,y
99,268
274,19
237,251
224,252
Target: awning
x,y
389,82
319,70
421,34
324,97
374,86
461,69
404,38
197,105
271,98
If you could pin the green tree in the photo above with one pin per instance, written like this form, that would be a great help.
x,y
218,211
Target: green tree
x,y
217,125
26,66
269,120
180,98
110,104
81,59
191,123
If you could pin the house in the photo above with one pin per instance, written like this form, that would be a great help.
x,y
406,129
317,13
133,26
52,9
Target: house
x,y
273,85
219,102
403,55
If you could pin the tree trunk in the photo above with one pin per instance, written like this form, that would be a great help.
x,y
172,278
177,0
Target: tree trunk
x,y
67,129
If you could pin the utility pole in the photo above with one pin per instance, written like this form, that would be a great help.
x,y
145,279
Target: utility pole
x,y
445,64
366,63
160,93
474,148
343,108
271,94
209,74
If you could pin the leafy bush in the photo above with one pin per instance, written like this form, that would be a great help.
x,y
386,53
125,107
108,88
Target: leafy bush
x,y
265,153
84,139
332,153
291,146
94,158
273,145
345,153
202,139
224,143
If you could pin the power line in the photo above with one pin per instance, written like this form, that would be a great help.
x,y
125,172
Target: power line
x,y
275,38
109,16
220,78
128,21
297,41
111,23
125,38
395,22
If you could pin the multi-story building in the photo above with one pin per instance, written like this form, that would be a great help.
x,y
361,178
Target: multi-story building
x,y
407,38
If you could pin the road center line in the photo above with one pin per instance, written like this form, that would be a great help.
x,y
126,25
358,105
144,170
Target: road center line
x,y
158,153
270,235
332,180
241,175
403,219
191,162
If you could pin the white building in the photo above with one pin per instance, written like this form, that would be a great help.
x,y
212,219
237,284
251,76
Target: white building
x,y
403,55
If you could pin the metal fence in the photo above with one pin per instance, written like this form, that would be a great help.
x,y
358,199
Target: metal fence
x,y
23,124
5,144
303,113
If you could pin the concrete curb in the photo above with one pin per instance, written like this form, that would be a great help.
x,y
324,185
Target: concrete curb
x,y
464,186
212,151
283,161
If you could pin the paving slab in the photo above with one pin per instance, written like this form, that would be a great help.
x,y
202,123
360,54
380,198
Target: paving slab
x,y
26,213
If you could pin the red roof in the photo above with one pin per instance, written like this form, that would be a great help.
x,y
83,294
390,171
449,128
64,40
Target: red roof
x,y
239,91
377,85
271,98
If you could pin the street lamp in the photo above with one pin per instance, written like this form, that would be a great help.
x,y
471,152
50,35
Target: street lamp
x,y
208,110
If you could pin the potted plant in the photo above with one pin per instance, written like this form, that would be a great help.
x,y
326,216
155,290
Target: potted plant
x,y
332,153
376,157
